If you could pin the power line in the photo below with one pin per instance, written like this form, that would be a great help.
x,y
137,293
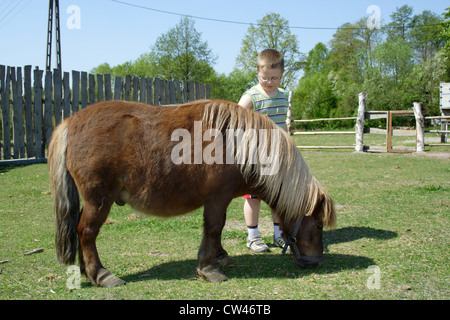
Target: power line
x,y
11,14
261,24
212,19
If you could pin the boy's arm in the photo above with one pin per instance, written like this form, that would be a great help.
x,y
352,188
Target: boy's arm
x,y
246,102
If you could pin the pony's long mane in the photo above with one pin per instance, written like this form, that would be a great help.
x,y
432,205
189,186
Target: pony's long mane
x,y
293,186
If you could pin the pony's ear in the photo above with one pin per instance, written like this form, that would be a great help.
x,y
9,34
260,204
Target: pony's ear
x,y
328,210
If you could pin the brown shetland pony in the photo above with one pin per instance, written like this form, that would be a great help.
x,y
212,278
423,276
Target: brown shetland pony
x,y
145,156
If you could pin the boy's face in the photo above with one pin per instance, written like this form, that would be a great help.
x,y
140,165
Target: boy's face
x,y
269,79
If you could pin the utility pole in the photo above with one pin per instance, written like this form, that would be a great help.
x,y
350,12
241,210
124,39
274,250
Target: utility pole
x,y
48,63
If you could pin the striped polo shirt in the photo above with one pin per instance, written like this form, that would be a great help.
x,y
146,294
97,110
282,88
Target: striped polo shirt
x,y
275,107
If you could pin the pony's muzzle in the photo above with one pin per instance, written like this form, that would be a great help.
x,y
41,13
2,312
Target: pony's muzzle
x,y
304,261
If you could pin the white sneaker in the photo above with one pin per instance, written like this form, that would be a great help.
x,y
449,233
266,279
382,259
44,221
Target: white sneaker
x,y
257,245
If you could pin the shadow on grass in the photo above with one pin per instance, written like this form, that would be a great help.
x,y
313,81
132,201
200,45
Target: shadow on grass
x,y
273,265
349,234
253,266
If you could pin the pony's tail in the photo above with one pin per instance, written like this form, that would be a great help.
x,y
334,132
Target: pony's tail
x,y
66,201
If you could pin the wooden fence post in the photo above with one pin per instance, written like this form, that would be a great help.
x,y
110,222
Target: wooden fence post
x,y
66,95
166,91
117,88
6,114
185,92
142,87
191,91
84,89
359,146
156,90
2,88
28,113
75,91
420,140
135,84
149,90
48,110
127,90
57,96
38,115
108,90
91,89
289,113
178,89
207,91
100,88
172,92
19,138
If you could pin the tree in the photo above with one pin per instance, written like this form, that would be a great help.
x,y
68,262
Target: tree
x,y
316,59
347,67
121,70
271,32
181,54
103,68
313,97
230,87
145,66
445,31
445,36
401,22
369,38
345,46
424,83
424,35
392,65
393,58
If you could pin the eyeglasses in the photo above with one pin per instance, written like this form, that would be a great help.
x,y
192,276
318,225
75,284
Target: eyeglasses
x,y
274,79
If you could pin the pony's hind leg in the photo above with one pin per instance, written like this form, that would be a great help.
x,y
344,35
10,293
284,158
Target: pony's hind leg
x,y
92,218
211,255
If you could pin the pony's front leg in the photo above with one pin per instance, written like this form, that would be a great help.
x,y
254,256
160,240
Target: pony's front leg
x,y
211,254
91,220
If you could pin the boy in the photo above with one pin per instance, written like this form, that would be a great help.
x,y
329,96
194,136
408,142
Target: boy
x,y
265,98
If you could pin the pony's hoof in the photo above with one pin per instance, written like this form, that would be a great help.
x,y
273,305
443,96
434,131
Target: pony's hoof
x,y
212,275
107,280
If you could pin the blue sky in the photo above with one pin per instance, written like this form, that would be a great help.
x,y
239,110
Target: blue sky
x,y
114,33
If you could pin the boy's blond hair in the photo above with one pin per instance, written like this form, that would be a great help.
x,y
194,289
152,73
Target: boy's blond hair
x,y
270,59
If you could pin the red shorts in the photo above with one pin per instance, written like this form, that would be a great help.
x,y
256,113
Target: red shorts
x,y
249,196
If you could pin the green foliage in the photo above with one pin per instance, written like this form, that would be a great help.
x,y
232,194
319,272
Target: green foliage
x,y
313,97
425,35
271,32
180,54
403,62
401,21
445,36
230,87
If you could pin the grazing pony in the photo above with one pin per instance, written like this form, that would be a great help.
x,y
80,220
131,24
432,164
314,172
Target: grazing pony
x,y
168,161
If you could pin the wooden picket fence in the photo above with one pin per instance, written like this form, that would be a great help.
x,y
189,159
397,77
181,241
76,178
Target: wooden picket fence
x,y
33,103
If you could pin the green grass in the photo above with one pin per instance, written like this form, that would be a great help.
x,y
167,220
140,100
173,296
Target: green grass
x,y
393,212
